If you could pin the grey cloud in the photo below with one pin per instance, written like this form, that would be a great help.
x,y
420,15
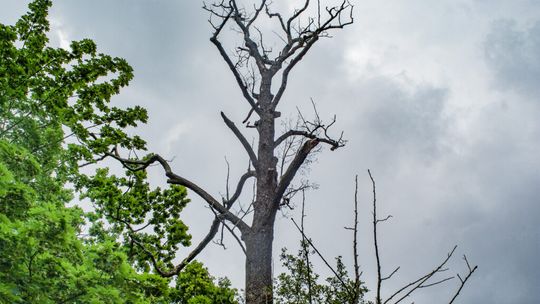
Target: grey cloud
x,y
477,187
158,39
497,228
390,120
512,54
482,195
403,120
491,205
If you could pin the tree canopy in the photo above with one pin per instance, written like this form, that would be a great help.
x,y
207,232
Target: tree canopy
x,y
56,117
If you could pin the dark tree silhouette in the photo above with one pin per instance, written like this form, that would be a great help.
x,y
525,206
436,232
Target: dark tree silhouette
x,y
255,67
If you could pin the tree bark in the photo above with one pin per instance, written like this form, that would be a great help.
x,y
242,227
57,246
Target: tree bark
x,y
259,265
260,239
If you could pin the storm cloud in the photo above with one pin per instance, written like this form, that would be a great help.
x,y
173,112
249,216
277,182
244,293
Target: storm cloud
x,y
512,54
440,99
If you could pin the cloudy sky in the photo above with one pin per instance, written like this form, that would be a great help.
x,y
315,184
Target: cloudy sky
x,y
440,99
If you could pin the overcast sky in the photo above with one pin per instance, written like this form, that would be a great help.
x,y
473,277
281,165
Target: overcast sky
x,y
440,99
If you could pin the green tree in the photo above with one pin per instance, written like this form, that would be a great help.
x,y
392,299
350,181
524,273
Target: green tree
x,y
194,285
55,115
300,284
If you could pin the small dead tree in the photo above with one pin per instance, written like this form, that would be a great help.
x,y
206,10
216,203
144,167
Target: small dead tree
x,y
427,280
354,288
262,75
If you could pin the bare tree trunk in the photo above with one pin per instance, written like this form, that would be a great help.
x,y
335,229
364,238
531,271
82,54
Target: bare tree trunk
x,y
254,66
260,238
271,188
259,265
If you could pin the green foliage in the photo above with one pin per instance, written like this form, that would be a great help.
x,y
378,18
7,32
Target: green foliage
x,y
195,286
55,115
301,285
130,201
42,259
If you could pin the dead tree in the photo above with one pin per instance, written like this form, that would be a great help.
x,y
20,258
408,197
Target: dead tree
x,y
427,280
355,291
262,75
256,86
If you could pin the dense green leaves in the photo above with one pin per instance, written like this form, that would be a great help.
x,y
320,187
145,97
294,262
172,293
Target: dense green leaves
x,y
130,202
195,286
42,259
55,115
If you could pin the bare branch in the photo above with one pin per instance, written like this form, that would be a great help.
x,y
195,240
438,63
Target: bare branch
x,y
257,12
231,230
306,38
253,50
236,237
375,242
435,283
178,268
214,227
136,165
227,180
280,18
463,281
242,140
294,138
391,274
285,74
292,190
224,212
293,168
305,248
423,281
355,245
420,281
334,143
345,286
239,187
243,86
384,219
297,14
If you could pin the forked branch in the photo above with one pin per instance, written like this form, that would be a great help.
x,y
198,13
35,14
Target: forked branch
x,y
422,282
294,166
225,12
463,281
173,178
242,140
298,40
239,187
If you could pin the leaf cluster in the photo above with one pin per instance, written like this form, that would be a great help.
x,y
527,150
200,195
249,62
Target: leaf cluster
x,y
301,285
55,117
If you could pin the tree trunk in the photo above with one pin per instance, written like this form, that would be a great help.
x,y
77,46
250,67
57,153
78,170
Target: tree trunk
x,y
259,266
300,37
259,240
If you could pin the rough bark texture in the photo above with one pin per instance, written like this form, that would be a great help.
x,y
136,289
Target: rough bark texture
x,y
259,265
260,239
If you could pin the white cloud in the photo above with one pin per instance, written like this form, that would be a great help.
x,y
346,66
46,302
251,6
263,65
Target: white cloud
x,y
61,37
174,134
